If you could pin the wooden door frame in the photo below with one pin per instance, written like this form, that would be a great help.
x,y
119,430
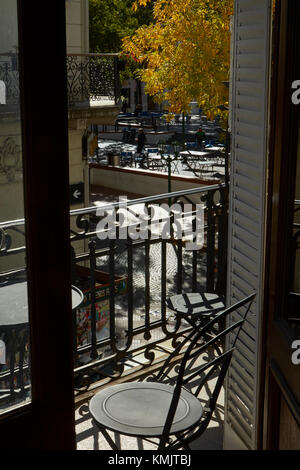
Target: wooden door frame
x,y
281,191
48,422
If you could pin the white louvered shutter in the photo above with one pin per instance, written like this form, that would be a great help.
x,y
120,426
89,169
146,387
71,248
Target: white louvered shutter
x,y
249,126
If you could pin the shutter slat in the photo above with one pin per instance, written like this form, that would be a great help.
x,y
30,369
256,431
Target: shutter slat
x,y
239,235
240,406
246,224
242,390
250,322
242,259
242,431
242,207
239,289
240,285
245,379
246,182
247,169
245,362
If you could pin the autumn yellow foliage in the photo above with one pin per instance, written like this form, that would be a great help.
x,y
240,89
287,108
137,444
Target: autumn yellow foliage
x,y
185,53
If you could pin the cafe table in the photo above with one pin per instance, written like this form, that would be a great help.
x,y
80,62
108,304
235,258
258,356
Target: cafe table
x,y
14,327
194,153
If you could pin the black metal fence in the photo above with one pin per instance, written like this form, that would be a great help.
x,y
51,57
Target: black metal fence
x,y
127,266
90,78
93,77
9,76
153,265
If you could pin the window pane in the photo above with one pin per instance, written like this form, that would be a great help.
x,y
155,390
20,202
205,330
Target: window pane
x,y
14,328
296,284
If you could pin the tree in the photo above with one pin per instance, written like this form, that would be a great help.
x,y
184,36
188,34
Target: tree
x,y
111,21
185,53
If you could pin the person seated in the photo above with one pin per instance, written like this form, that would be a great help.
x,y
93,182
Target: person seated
x,y
200,136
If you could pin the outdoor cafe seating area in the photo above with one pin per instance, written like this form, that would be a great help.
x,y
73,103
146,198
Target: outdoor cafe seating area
x,y
193,160
177,151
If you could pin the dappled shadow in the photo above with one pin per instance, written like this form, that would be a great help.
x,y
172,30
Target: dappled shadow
x,y
90,438
155,273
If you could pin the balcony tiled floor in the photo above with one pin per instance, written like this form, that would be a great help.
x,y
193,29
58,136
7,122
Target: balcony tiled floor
x,y
88,437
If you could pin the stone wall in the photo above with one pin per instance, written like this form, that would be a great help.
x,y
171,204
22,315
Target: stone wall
x,y
77,26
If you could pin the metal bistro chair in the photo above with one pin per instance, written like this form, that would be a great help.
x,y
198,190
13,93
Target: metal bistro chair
x,y
196,308
173,414
126,158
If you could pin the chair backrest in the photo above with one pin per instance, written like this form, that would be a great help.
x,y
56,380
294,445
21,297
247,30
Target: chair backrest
x,y
202,373
191,145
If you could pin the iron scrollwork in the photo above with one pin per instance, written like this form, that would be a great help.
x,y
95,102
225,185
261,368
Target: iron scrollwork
x,y
92,77
9,74
136,320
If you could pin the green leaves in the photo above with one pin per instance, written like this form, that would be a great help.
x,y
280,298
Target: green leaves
x,y
111,21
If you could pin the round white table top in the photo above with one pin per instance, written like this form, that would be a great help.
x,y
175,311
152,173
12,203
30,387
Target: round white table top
x,y
14,303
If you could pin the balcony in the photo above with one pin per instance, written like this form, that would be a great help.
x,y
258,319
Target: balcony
x,y
9,89
93,89
92,80
124,330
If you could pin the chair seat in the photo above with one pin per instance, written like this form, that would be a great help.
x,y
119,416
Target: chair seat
x,y
196,303
141,408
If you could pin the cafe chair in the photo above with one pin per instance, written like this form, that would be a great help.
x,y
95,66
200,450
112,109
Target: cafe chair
x,y
171,413
196,308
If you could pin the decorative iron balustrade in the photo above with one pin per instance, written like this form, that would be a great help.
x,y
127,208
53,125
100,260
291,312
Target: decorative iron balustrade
x,y
93,77
90,78
126,281
9,75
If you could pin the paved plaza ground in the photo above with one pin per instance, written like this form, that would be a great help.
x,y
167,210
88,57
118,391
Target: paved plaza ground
x,y
177,167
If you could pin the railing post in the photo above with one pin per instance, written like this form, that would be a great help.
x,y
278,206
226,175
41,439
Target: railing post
x,y
195,260
130,287
92,245
179,258
222,242
112,323
163,282
210,255
147,334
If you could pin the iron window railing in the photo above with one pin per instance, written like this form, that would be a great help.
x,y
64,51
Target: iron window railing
x,y
9,78
126,281
91,78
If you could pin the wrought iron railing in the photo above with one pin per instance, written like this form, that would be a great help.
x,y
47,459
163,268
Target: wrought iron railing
x,y
90,78
93,77
9,76
126,280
